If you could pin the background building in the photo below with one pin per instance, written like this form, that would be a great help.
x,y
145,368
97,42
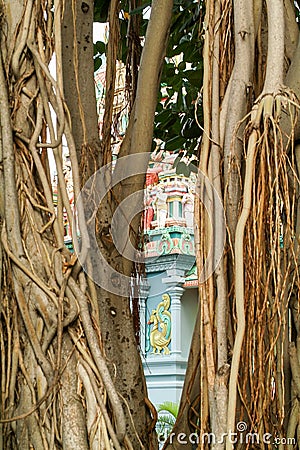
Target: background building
x,y
168,303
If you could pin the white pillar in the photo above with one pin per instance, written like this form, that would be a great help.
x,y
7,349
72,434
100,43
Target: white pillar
x,y
176,341
175,281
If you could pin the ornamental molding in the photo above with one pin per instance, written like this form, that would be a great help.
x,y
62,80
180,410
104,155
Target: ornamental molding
x,y
167,262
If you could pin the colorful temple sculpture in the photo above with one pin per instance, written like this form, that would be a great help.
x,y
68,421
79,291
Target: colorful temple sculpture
x,y
168,300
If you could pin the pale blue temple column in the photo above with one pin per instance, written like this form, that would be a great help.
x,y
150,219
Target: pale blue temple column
x,y
174,281
144,292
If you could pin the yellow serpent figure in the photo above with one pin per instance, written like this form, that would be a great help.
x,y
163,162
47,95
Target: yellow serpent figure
x,y
160,335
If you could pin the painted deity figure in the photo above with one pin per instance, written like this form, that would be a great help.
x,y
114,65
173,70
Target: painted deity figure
x,y
188,209
149,214
161,208
160,322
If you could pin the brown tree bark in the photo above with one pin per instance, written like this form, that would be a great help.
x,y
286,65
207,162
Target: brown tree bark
x,y
115,317
51,331
250,131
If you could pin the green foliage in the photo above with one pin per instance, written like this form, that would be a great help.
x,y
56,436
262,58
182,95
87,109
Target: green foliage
x,y
182,73
184,164
101,10
140,9
182,77
99,51
167,420
297,11
169,407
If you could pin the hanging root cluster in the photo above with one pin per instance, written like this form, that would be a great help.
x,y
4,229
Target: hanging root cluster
x,y
269,366
244,365
56,390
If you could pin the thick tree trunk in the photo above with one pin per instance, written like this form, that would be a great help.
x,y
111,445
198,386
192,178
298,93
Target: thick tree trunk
x,y
78,80
115,317
50,322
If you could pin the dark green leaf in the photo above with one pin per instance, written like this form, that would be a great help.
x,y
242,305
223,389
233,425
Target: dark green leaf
x,y
101,10
193,168
183,169
190,129
97,63
194,77
182,65
140,8
177,160
175,143
99,47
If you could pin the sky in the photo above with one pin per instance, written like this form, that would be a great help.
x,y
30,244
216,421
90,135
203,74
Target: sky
x,y
99,31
